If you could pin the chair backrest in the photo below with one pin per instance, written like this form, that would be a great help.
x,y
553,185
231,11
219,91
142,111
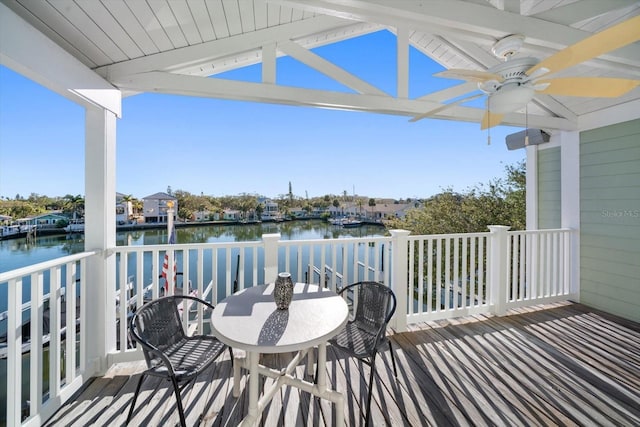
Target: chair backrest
x,y
375,305
158,323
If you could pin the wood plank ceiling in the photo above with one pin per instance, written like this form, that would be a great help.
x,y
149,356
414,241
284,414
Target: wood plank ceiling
x,y
169,45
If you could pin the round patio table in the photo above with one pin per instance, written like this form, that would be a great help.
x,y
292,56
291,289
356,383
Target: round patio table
x,y
249,320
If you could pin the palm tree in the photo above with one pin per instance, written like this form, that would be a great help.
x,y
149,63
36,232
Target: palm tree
x,y
128,200
75,205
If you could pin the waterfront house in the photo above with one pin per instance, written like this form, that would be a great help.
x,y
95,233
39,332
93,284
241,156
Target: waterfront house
x,y
270,210
583,201
231,215
47,220
155,207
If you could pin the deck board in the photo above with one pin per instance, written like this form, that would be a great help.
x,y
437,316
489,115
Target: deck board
x,y
562,364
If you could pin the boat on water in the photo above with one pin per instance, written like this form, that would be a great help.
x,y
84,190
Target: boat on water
x,y
75,227
12,231
345,222
351,223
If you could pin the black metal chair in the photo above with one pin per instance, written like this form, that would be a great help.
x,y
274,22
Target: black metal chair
x,y
372,306
169,352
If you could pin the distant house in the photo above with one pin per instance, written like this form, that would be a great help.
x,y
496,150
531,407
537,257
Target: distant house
x,y
270,211
297,212
48,220
391,210
205,216
231,215
154,207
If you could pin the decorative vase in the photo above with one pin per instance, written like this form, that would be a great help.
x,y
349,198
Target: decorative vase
x,y
283,291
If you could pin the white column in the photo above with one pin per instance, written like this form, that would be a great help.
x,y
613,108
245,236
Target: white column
x,y
570,201
269,63
402,38
532,188
270,256
399,281
100,235
497,268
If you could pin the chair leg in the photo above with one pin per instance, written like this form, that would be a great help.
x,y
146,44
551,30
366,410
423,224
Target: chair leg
x,y
393,360
373,368
183,423
135,397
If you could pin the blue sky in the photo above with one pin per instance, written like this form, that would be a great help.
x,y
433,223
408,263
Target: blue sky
x,y
220,147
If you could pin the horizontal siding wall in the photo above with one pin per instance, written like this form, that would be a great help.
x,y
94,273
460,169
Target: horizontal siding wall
x,y
610,219
549,188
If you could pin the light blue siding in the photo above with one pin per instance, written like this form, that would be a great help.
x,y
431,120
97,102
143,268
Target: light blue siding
x,y
610,219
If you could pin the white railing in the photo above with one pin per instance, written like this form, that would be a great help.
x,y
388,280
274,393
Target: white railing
x,y
434,277
454,275
215,270
447,276
539,266
50,289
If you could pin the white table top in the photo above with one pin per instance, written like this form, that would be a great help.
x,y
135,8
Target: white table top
x,y
250,320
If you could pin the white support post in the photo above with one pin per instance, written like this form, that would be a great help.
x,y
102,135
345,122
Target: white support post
x,y
100,235
532,187
269,63
570,204
399,280
402,38
498,268
270,256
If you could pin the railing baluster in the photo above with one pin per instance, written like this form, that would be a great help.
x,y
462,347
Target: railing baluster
x,y
70,303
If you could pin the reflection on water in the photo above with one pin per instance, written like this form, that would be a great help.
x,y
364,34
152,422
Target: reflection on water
x,y
16,253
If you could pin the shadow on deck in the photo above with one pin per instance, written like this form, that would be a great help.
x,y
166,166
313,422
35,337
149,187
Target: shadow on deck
x,y
562,364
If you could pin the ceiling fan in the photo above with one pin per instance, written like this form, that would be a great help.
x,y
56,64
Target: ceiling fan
x,y
512,84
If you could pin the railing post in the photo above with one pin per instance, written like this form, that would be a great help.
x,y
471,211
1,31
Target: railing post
x,y
270,256
399,281
497,268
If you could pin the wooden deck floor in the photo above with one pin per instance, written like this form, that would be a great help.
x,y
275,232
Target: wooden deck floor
x,y
561,365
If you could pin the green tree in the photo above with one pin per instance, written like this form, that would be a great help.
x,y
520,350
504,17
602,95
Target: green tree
x,y
372,204
501,202
259,210
74,205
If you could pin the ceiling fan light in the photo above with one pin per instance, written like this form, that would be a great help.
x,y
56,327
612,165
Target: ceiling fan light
x,y
509,100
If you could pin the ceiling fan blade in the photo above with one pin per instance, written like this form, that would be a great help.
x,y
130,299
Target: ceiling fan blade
x,y
605,41
445,106
590,87
490,120
468,75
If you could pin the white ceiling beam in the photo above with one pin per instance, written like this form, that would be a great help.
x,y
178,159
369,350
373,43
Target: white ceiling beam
x,y
269,63
28,52
192,56
581,10
557,108
327,68
160,82
458,19
451,92
402,62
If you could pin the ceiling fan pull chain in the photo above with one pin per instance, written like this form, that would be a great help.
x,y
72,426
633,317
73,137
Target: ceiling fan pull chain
x,y
526,125
489,121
